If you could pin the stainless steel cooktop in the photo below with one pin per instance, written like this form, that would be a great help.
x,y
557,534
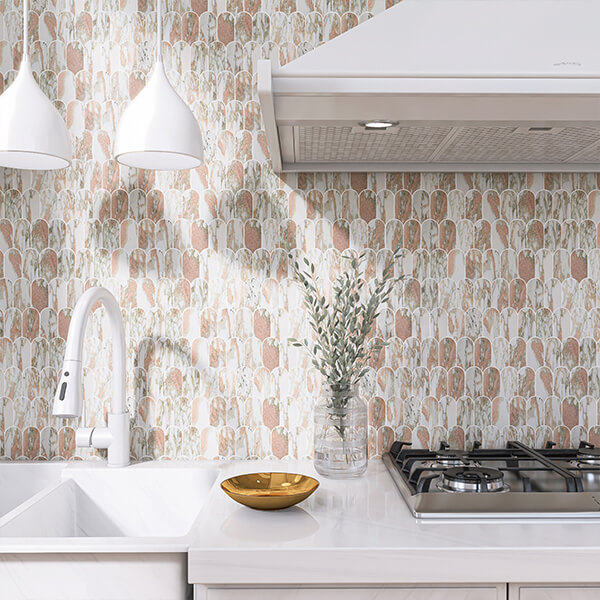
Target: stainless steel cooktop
x,y
513,482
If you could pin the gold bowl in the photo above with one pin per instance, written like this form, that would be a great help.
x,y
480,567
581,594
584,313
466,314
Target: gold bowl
x,y
269,491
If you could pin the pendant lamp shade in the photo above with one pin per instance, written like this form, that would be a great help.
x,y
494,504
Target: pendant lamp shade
x,y
33,135
158,130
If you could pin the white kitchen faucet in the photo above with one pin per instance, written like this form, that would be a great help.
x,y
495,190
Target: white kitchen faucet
x,y
68,402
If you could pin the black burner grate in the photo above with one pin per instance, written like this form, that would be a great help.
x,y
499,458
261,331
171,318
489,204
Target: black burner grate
x,y
529,470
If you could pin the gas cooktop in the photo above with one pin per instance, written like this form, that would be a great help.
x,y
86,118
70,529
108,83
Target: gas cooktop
x,y
516,481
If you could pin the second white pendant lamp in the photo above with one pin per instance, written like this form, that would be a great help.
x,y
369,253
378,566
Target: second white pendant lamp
x,y
158,130
33,135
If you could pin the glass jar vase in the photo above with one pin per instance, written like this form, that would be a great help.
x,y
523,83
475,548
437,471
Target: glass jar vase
x,y
341,433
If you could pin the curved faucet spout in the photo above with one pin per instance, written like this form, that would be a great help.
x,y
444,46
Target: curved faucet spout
x,y
68,402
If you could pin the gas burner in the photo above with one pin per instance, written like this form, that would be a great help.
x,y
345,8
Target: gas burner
x,y
470,479
588,456
444,462
446,457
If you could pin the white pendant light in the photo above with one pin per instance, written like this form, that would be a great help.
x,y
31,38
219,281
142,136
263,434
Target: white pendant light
x,y
33,135
158,130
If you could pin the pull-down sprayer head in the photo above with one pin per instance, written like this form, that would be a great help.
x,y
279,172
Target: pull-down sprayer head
x,y
68,400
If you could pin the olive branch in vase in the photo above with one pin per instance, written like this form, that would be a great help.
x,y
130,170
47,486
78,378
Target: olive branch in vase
x,y
342,347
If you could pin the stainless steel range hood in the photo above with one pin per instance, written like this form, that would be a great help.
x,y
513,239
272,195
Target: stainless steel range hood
x,y
463,85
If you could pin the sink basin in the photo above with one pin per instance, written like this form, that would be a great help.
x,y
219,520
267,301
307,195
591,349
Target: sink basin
x,y
22,480
144,500
96,533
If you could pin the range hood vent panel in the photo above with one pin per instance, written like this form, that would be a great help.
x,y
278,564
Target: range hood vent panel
x,y
351,144
445,144
488,144
474,85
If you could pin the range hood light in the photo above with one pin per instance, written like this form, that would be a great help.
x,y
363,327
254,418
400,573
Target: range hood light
x,y
378,125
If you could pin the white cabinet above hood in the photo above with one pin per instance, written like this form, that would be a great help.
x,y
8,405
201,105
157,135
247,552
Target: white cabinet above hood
x,y
469,85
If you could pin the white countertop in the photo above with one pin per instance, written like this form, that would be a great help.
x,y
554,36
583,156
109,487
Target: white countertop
x,y
361,532
348,532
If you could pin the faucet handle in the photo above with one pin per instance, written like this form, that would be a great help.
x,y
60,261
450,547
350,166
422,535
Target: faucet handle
x,y
83,437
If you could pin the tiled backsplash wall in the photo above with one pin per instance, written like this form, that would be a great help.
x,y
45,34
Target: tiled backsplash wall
x,y
494,335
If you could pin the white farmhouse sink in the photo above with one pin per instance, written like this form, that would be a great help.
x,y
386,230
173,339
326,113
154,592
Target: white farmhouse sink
x,y
96,533
144,500
22,480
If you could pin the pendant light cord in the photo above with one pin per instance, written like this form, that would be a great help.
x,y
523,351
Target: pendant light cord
x,y
25,30
158,30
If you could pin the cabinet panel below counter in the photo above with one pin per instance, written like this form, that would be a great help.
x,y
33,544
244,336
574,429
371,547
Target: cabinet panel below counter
x,y
540,592
483,592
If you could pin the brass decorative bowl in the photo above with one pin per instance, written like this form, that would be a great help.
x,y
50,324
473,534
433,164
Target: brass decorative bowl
x,y
269,491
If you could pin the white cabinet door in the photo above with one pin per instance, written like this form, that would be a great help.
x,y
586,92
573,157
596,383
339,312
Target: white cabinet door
x,y
541,592
484,592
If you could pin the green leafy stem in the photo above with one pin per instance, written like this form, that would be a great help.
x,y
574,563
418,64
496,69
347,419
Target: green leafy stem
x,y
342,347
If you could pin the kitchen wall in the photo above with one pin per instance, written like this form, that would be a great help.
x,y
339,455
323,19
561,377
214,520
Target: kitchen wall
x,y
494,334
